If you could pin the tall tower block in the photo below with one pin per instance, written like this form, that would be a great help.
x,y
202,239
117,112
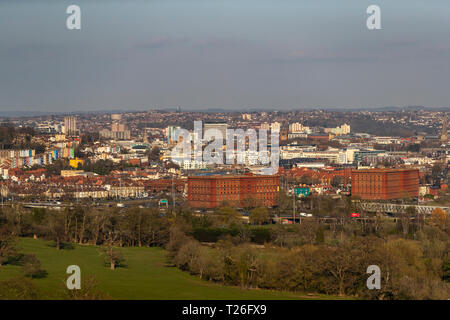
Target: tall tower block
x,y
444,136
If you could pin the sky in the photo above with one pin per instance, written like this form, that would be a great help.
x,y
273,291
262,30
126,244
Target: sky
x,y
229,54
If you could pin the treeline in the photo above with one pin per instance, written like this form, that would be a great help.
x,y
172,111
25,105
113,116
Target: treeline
x,y
131,227
319,258
338,269
310,257
100,167
18,138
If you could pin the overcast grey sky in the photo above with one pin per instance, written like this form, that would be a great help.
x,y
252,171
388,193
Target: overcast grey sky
x,y
237,54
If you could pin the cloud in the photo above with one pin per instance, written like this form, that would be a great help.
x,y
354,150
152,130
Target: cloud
x,y
300,56
218,43
160,42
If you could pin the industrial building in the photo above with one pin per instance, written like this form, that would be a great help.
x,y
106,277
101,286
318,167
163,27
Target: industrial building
x,y
385,184
239,191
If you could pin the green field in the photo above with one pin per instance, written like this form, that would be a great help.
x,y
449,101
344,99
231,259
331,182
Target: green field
x,y
146,275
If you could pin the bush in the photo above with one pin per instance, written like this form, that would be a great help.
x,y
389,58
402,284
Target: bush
x,y
260,235
18,289
89,291
31,266
208,234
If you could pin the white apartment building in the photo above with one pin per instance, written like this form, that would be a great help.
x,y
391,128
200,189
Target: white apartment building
x,y
275,126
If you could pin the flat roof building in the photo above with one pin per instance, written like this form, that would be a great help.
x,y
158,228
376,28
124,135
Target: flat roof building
x,y
70,125
238,191
385,184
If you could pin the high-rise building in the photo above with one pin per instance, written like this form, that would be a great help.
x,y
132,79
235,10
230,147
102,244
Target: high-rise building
x,y
222,127
116,127
239,191
275,126
264,126
345,128
296,127
70,125
171,135
116,117
385,184
444,136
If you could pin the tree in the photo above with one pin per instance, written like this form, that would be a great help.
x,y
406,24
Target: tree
x,y
438,217
187,255
19,288
320,235
100,167
31,266
37,219
305,179
414,147
250,202
341,262
227,215
241,265
172,165
154,154
89,291
113,257
284,203
177,239
7,245
56,167
259,215
307,231
436,171
7,135
446,270
55,227
90,137
155,228
337,181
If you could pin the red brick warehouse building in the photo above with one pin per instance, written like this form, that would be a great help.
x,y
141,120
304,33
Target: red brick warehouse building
x,y
239,191
385,184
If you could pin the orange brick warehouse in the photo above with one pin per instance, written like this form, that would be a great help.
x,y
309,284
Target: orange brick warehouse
x,y
239,191
385,184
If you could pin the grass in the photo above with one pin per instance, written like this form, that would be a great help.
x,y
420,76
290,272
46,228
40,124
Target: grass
x,y
146,275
